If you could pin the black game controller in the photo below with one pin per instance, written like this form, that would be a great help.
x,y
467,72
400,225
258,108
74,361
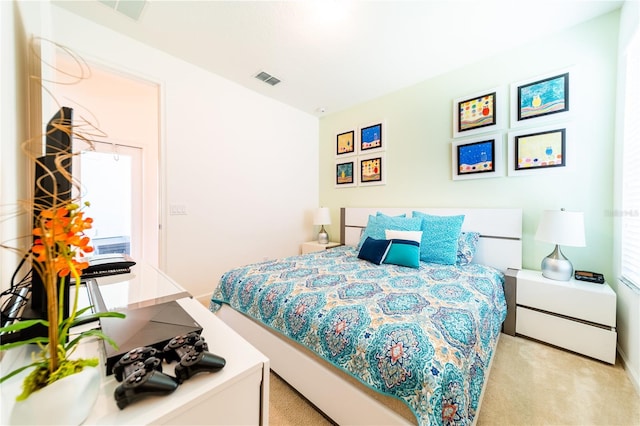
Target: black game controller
x,y
191,350
142,382
180,345
134,356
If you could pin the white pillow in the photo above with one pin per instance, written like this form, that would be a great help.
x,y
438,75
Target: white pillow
x,y
391,234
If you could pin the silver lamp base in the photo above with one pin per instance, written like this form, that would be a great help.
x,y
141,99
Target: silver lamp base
x,y
323,237
556,266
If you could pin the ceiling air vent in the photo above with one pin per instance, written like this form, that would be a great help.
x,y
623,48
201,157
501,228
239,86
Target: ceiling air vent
x,y
267,78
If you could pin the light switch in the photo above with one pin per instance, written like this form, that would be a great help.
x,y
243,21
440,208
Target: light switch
x,y
177,209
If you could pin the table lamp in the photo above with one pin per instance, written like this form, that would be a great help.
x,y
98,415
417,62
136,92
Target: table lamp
x,y
560,227
322,217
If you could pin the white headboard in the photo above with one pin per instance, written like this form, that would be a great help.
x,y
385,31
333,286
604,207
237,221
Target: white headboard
x,y
500,230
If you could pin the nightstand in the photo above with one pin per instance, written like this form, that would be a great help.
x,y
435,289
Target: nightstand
x,y
575,315
311,246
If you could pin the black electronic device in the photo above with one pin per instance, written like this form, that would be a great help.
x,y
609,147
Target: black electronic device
x,y
130,361
190,350
143,378
197,361
592,277
152,326
51,186
108,264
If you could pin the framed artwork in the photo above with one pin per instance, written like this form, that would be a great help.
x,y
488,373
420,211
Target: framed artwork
x,y
535,150
372,138
477,158
345,143
542,98
478,113
372,170
345,174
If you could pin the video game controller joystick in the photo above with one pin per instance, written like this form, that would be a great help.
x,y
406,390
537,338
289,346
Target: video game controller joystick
x,y
133,356
141,383
180,345
196,361
191,350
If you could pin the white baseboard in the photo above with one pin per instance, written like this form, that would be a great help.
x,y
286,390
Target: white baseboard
x,y
633,375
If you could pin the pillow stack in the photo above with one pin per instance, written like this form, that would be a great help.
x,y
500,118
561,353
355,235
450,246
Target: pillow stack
x,y
404,241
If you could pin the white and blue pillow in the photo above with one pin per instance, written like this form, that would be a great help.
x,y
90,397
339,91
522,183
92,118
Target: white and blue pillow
x,y
405,248
377,225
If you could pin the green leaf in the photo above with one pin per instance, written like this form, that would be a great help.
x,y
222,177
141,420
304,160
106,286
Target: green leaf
x,y
89,333
7,346
21,325
19,370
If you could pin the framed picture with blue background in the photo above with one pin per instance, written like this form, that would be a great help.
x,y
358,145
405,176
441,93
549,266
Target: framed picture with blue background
x,y
541,99
372,138
481,157
345,176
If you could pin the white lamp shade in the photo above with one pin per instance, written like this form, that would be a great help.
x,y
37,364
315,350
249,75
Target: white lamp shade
x,y
322,216
562,227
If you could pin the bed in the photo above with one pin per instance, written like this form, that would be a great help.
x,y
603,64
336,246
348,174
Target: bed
x,y
399,342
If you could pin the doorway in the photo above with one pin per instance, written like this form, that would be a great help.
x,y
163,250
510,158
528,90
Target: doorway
x,y
120,173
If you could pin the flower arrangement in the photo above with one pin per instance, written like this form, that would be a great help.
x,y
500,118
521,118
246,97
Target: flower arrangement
x,y
58,250
57,255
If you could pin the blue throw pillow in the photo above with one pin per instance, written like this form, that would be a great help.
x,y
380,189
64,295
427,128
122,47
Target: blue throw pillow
x,y
382,214
377,225
439,238
467,246
404,253
374,250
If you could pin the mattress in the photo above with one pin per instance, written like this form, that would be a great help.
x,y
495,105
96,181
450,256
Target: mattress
x,y
424,336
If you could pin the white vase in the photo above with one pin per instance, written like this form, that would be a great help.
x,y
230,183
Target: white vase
x,y
65,402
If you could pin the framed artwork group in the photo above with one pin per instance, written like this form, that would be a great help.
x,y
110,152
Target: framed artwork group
x,y
360,156
532,147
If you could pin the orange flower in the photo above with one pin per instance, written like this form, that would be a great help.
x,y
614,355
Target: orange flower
x,y
61,237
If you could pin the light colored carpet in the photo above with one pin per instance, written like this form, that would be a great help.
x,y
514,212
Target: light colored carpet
x,y
530,384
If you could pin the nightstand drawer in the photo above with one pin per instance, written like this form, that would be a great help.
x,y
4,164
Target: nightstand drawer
x,y
596,342
595,303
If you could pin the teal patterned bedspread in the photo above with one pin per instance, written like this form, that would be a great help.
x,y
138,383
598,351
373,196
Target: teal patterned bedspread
x,y
425,335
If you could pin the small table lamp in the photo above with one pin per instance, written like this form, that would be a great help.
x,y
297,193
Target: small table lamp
x,y
322,217
560,227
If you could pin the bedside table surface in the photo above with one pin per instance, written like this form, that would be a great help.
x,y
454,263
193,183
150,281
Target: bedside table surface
x,y
604,289
578,299
311,246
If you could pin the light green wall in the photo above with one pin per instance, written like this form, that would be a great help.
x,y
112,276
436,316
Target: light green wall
x,y
419,134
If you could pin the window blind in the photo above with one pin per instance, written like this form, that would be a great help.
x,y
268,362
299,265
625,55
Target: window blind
x,y
630,214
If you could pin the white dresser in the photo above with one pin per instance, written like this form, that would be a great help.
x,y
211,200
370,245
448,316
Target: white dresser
x,y
575,315
238,394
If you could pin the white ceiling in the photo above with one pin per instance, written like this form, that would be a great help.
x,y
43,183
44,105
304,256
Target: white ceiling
x,y
334,54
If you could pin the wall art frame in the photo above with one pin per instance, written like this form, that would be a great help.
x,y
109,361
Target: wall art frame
x,y
477,158
345,173
346,143
540,150
372,169
542,99
372,137
479,112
